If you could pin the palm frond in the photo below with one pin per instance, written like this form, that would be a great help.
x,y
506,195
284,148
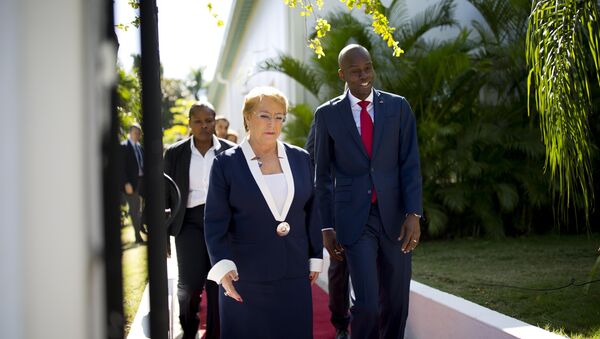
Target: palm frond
x,y
296,70
562,38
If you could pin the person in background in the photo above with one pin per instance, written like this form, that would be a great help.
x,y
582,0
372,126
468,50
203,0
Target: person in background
x,y
337,275
188,162
262,228
232,136
132,177
221,127
368,169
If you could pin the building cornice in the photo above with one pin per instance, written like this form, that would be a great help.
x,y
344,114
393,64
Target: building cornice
x,y
237,23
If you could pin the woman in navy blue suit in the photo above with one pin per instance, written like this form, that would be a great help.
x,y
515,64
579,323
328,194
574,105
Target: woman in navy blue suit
x,y
262,229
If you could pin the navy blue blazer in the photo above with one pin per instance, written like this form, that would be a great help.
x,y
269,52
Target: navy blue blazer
x,y
345,175
130,167
239,226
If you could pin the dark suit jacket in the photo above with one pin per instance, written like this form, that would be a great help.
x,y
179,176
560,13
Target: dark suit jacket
x,y
239,225
345,175
130,166
177,166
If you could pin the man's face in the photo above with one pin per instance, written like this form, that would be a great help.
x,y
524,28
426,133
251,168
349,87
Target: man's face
x,y
356,69
221,128
202,124
135,134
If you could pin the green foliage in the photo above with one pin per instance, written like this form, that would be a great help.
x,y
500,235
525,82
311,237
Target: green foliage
x,y
129,99
179,126
297,125
564,55
177,97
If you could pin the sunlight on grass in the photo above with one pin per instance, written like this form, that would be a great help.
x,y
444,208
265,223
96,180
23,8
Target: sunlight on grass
x,y
466,267
135,274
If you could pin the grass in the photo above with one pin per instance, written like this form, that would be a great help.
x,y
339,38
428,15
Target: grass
x,y
464,267
135,274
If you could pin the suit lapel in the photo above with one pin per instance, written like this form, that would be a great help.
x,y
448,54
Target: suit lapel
x,y
186,159
262,185
345,113
379,117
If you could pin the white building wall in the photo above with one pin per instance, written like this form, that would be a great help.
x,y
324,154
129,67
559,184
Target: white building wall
x,y
266,35
50,272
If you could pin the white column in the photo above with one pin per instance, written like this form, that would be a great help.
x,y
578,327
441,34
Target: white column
x,y
11,239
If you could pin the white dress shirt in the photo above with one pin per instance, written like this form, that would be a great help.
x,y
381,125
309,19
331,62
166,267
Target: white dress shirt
x,y
199,172
279,200
356,108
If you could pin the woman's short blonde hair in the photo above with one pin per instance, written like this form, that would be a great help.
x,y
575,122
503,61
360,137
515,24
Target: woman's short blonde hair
x,y
256,95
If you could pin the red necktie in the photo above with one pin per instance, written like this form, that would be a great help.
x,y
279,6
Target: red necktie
x,y
366,134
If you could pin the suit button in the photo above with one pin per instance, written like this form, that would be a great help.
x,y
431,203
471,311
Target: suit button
x,y
369,192
372,169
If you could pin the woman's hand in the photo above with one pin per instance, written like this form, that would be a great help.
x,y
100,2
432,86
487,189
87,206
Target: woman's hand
x,y
312,276
227,282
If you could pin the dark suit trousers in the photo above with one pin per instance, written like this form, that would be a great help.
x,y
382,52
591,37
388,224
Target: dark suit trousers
x,y
134,204
193,264
380,275
339,294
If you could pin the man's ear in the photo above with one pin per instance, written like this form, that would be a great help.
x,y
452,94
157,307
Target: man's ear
x,y
341,74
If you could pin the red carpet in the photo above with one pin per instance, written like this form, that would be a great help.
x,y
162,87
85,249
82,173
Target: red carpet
x,y
322,328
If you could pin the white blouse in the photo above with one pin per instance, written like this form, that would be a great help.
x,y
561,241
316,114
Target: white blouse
x,y
278,187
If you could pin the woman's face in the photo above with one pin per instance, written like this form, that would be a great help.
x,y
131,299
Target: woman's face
x,y
265,122
221,128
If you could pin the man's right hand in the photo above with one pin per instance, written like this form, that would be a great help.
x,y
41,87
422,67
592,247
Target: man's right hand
x,y
333,247
128,188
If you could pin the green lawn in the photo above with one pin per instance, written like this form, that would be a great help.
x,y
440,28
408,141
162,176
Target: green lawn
x,y
464,267
135,274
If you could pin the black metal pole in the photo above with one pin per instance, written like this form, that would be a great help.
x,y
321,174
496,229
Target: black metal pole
x,y
153,170
111,163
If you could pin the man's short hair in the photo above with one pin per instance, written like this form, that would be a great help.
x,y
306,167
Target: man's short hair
x,y
135,125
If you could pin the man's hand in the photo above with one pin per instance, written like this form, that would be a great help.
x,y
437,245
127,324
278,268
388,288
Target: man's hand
x,y
410,233
227,282
333,247
128,188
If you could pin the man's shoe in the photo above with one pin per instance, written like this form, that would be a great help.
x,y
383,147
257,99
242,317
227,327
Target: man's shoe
x,y
341,334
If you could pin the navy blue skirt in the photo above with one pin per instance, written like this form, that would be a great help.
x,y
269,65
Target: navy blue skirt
x,y
271,310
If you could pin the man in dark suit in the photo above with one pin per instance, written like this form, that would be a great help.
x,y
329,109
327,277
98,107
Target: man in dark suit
x,y
133,172
368,168
338,285
188,163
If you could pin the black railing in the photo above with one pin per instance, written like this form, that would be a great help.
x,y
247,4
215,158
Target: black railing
x,y
153,170
111,198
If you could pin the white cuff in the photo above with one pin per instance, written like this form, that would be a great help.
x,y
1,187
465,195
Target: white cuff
x,y
218,271
327,229
315,264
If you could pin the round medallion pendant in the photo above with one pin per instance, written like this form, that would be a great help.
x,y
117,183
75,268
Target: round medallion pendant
x,y
283,229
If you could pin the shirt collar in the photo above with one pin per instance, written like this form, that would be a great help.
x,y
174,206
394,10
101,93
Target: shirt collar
x,y
216,145
354,100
